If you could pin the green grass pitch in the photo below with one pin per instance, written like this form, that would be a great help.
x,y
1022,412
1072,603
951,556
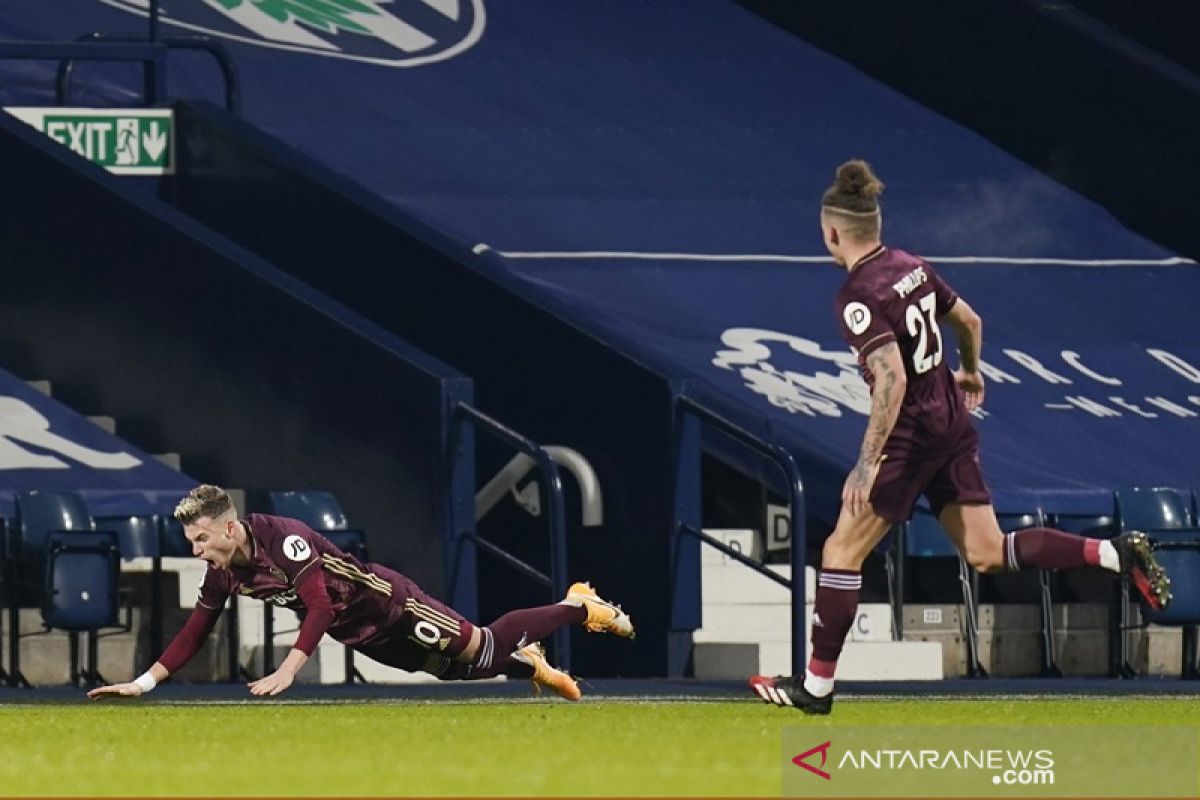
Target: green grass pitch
x,y
545,747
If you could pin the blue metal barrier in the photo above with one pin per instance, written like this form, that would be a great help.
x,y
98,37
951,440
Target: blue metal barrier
x,y
687,407
464,415
150,51
155,90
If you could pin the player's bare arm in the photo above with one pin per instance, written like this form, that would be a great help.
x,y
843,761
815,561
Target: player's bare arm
x,y
136,688
891,382
282,678
968,329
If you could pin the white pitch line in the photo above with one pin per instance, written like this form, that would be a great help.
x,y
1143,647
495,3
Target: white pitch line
x,y
632,255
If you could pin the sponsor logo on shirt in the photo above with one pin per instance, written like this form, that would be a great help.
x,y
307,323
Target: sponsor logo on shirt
x,y
857,317
296,549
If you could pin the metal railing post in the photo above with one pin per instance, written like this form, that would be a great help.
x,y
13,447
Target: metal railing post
x,y
787,465
554,513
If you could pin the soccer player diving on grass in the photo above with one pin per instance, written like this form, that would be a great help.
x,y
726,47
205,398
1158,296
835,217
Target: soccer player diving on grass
x,y
919,439
375,610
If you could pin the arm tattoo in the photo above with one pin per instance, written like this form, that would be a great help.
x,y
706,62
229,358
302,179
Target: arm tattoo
x,y
885,407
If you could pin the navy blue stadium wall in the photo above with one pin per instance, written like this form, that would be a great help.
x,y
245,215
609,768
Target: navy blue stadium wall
x,y
531,368
1103,110
261,382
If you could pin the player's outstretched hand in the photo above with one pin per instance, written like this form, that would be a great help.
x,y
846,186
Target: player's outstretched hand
x,y
115,690
272,684
971,384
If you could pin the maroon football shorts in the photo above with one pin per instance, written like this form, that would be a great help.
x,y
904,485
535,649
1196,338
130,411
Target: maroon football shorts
x,y
424,632
944,479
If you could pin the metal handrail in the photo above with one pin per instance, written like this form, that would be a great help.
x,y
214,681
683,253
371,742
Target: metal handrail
x,y
787,465
505,481
151,51
557,579
152,55
157,87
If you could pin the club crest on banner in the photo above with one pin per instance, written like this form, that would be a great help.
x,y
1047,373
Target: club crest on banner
x,y
795,373
392,33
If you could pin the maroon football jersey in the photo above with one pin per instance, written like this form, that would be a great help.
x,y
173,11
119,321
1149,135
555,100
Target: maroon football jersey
x,y
367,599
892,296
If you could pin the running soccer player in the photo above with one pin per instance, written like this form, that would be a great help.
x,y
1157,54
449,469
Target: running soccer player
x,y
919,439
375,610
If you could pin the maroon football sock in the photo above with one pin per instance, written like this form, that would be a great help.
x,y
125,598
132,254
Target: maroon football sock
x,y
1046,548
833,614
521,627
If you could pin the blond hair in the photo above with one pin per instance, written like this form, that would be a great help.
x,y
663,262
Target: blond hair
x,y
854,200
203,501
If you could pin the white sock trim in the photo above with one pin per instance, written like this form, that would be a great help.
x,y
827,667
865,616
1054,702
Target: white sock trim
x,y
1108,556
1010,546
816,685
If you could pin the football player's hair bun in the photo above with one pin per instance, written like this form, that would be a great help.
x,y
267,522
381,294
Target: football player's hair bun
x,y
855,179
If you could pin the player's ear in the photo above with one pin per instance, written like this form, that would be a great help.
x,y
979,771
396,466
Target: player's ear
x,y
833,235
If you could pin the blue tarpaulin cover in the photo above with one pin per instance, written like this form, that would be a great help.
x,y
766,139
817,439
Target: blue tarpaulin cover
x,y
581,144
45,445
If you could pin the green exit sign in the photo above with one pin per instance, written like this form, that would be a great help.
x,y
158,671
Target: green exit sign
x,y
123,141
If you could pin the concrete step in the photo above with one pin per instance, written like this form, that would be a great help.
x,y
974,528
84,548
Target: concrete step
x,y
860,661
734,583
190,572
761,623
747,542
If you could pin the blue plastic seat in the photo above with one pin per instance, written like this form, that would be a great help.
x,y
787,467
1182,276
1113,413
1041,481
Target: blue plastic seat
x,y
1154,508
1094,526
317,509
174,543
137,535
1178,552
81,580
80,594
38,515
69,570
1145,508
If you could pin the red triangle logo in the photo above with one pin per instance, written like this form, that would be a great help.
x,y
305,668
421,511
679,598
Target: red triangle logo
x,y
823,749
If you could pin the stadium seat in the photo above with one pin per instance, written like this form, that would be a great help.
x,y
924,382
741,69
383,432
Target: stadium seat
x,y
140,536
137,535
321,511
317,509
80,593
1178,551
55,537
174,543
1145,509
1010,522
38,515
